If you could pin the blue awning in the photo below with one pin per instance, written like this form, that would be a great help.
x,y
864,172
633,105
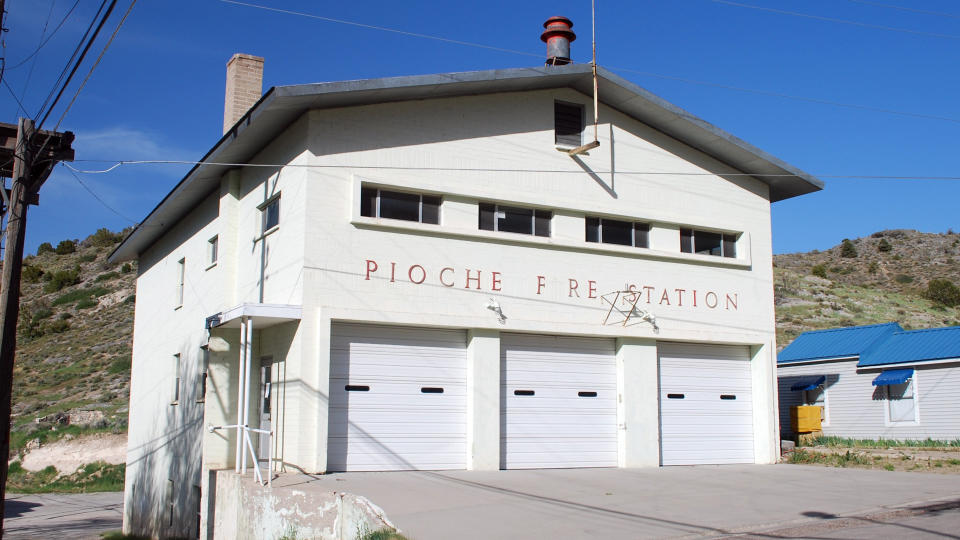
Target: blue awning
x,y
893,376
809,383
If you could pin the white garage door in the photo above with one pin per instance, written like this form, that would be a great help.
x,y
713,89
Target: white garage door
x,y
706,404
558,402
397,398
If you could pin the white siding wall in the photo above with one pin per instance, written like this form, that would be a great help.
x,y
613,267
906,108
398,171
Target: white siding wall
x,y
856,408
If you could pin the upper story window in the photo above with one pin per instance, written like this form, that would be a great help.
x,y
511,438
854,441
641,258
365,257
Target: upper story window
x,y
495,217
398,205
181,276
270,213
176,379
708,243
213,248
612,231
567,124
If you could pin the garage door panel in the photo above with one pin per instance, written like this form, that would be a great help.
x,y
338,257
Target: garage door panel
x,y
554,425
386,421
709,418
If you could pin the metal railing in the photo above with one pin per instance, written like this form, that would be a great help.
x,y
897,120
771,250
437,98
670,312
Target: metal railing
x,y
247,444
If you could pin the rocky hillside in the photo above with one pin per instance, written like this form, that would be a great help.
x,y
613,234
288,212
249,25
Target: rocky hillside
x,y
885,277
73,344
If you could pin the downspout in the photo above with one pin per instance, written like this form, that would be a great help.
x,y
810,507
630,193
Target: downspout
x,y
240,370
248,352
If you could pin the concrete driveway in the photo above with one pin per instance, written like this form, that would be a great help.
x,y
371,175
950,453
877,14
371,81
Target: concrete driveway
x,y
76,516
702,501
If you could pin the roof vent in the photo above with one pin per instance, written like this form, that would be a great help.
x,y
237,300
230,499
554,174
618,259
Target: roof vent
x,y
558,36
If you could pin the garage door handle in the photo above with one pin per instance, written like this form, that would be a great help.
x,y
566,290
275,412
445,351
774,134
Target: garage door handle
x,y
431,390
728,396
587,394
356,388
675,396
523,392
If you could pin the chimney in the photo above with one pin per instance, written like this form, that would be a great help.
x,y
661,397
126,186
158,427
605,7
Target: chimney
x,y
558,37
244,87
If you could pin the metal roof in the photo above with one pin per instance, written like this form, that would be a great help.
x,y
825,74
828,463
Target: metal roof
x,y
280,106
836,342
915,346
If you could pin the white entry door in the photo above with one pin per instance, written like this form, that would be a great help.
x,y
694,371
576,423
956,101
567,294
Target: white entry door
x,y
397,398
706,404
558,402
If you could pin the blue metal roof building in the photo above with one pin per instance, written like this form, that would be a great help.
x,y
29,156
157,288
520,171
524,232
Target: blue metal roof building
x,y
914,346
836,342
878,381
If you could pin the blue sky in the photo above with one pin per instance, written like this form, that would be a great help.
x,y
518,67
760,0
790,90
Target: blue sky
x,y
158,92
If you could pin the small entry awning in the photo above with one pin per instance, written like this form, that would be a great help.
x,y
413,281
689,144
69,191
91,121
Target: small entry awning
x,y
809,383
893,376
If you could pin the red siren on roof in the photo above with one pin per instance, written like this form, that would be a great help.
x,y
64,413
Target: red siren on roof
x,y
558,36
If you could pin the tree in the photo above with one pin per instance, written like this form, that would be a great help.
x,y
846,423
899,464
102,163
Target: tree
x,y
66,246
943,291
884,246
847,249
44,248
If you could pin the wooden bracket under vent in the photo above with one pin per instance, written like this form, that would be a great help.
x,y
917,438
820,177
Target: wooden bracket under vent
x,y
581,149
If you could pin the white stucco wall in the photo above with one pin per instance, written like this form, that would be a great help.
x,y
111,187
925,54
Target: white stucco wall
x,y
492,148
499,148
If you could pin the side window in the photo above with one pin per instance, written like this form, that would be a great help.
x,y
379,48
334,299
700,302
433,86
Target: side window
x,y
270,214
612,231
495,217
567,124
708,243
901,402
387,204
176,379
181,276
817,397
213,249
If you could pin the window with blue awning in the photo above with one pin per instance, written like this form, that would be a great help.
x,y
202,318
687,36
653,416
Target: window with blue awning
x,y
893,376
809,383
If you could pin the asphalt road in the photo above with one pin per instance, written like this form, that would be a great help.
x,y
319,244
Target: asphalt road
x,y
81,516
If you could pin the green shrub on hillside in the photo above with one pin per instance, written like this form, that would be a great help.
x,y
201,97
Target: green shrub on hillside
x,y
61,279
819,270
847,249
943,291
873,267
884,246
106,277
66,247
103,238
90,257
44,248
903,278
31,273
126,268
80,294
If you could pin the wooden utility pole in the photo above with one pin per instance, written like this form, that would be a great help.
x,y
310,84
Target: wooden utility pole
x,y
34,156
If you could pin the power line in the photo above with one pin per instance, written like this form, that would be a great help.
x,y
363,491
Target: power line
x,y
119,163
79,61
788,96
15,98
95,64
834,20
912,10
382,28
33,65
97,197
646,73
44,42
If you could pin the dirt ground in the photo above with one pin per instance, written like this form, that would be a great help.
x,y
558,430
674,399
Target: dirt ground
x,y
932,460
69,455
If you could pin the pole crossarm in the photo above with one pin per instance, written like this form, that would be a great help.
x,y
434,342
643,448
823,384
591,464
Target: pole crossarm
x,y
47,149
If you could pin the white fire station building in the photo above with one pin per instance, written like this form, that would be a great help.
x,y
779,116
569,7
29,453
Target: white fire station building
x,y
443,272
